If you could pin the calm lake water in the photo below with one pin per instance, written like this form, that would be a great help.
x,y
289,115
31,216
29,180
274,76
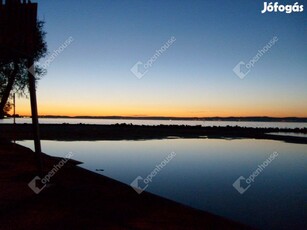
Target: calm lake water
x,y
203,171
158,122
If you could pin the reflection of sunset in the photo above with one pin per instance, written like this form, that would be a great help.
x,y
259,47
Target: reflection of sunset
x,y
206,92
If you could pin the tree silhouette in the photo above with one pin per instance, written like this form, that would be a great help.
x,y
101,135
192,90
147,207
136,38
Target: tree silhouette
x,y
14,73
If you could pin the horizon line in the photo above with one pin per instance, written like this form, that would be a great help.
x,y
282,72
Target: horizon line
x,y
164,117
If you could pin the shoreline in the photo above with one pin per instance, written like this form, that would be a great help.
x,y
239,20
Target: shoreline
x,y
77,198
161,118
82,132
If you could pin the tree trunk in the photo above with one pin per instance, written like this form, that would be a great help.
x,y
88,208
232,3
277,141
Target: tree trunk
x,y
8,90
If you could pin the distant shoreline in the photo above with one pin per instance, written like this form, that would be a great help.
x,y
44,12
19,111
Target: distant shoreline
x,y
82,132
238,119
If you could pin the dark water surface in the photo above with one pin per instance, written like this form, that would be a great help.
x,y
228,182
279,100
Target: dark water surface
x,y
202,173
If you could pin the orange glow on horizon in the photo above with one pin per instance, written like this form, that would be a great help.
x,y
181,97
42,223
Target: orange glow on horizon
x,y
64,110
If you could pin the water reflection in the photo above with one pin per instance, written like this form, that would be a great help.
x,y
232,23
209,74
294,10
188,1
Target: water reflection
x,y
202,173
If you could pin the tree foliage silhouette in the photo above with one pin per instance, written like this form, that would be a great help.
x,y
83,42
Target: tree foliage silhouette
x,y
14,73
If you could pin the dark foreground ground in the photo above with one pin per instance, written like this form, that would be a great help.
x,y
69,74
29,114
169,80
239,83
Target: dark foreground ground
x,y
79,199
139,132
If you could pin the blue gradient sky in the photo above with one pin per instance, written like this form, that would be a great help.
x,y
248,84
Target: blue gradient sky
x,y
193,77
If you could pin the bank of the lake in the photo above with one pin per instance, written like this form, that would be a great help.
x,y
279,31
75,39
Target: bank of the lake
x,y
80,199
202,171
140,132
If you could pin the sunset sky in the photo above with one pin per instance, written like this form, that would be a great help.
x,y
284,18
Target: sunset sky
x,y
193,77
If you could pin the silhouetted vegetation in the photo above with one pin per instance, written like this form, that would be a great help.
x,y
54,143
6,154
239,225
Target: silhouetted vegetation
x,y
141,132
14,73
